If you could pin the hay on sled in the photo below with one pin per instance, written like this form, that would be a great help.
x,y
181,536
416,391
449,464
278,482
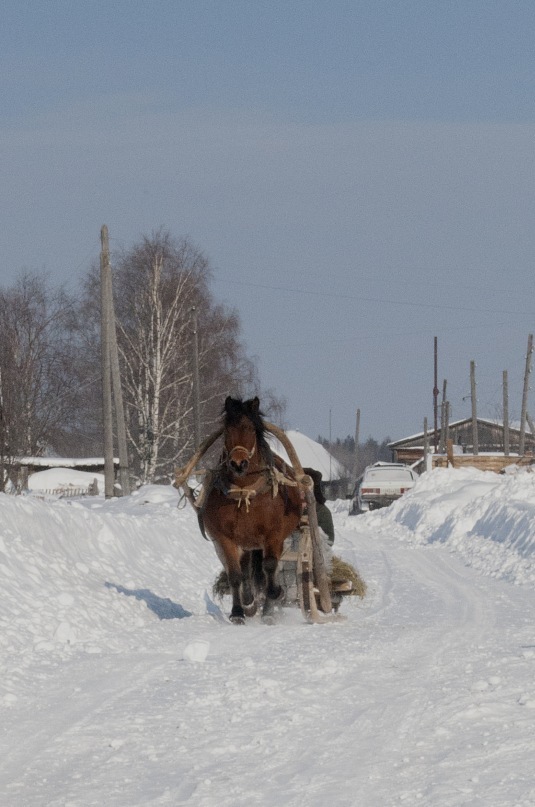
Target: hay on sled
x,y
340,571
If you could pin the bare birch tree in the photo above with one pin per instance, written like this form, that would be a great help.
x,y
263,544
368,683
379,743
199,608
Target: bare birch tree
x,y
158,283
38,389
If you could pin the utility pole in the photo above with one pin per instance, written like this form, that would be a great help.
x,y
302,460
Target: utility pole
x,y
124,471
475,438
196,386
330,448
113,361
426,445
443,419
527,371
442,441
105,331
435,395
505,414
357,438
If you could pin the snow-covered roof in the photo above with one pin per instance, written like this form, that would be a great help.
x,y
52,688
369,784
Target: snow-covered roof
x,y
311,455
64,478
514,425
64,462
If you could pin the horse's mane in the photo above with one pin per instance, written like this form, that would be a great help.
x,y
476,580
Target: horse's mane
x,y
235,409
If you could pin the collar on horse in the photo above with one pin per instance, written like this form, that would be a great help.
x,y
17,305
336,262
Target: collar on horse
x,y
270,479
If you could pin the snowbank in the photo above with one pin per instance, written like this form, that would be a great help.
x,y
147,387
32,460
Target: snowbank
x,y
63,562
123,684
487,518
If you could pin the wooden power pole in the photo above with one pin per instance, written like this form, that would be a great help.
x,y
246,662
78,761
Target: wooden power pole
x,y
105,337
435,395
475,438
521,444
426,445
505,414
196,383
357,438
110,368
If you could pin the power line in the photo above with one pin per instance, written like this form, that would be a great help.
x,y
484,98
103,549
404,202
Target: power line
x,y
382,301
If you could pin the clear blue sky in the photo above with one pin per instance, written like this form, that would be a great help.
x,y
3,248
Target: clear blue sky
x,y
360,174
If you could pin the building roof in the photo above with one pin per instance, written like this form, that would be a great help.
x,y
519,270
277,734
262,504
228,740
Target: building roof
x,y
311,455
63,462
515,427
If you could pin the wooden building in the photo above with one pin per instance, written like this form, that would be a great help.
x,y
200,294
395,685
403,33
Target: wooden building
x,y
490,434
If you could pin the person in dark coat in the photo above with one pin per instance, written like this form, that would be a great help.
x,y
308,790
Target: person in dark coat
x,y
287,569
325,519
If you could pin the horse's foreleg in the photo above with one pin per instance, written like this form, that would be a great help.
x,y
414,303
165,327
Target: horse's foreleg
x,y
230,556
257,571
237,613
273,590
247,596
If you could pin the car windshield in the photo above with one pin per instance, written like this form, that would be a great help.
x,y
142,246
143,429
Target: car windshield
x,y
390,474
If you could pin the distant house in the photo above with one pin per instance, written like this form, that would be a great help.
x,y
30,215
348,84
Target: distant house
x,y
22,467
490,434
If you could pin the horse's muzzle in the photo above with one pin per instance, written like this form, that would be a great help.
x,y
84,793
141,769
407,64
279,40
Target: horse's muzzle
x,y
239,468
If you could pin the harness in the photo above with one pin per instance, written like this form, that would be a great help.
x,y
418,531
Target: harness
x,y
270,479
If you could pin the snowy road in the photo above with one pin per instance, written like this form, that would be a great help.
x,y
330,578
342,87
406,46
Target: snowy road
x,y
424,695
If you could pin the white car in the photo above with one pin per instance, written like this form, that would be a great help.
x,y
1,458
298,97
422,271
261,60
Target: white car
x,y
380,485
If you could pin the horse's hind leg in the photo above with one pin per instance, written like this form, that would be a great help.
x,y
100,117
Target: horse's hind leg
x,y
273,590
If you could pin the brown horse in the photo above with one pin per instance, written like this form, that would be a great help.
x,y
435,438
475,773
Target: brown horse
x,y
251,508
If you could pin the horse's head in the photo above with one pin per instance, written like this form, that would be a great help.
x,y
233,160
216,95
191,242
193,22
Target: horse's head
x,y
244,431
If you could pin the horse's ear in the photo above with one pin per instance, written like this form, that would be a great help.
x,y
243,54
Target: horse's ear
x,y
255,405
228,403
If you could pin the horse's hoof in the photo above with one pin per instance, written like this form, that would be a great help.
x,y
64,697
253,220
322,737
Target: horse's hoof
x,y
269,619
237,620
250,610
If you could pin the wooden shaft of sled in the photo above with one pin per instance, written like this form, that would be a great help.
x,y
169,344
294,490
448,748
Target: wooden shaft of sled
x,y
181,474
320,572
305,583
290,450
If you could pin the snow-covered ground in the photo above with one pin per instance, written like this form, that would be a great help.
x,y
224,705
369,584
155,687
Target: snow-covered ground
x,y
122,683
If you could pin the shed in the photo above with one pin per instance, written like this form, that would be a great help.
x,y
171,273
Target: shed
x,y
22,467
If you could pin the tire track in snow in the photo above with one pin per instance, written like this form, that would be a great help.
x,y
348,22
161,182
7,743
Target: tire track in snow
x,y
445,622
56,741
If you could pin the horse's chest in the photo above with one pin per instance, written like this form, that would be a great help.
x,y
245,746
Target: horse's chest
x,y
245,523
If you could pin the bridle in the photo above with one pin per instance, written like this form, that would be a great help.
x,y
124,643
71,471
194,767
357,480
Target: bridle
x,y
238,465
249,454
